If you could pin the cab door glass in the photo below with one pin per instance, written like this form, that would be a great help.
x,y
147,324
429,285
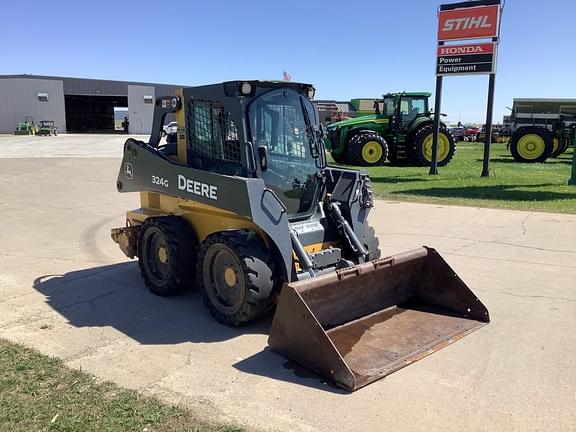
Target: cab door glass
x,y
277,122
410,108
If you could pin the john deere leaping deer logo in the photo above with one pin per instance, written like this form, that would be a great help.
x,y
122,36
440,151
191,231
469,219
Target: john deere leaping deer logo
x,y
128,171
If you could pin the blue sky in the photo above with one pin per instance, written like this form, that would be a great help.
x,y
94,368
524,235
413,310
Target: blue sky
x,y
347,49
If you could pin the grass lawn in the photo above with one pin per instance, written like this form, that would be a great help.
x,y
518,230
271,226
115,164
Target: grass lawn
x,y
38,393
511,185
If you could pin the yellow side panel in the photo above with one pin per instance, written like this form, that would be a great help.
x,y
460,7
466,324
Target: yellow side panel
x,y
204,219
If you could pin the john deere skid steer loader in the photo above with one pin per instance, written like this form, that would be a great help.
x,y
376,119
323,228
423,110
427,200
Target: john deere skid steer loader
x,y
243,206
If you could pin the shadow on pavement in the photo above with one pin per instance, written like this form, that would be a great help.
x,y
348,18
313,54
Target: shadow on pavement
x,y
510,160
395,179
493,192
269,364
116,296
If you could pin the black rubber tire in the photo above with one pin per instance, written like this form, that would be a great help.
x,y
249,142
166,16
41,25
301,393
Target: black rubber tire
x,y
356,143
558,150
543,133
175,236
341,158
253,276
566,143
417,153
563,144
371,243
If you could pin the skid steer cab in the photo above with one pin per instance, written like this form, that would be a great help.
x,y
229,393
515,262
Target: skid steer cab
x,y
242,205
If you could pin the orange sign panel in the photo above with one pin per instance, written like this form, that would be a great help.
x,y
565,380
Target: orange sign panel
x,y
469,23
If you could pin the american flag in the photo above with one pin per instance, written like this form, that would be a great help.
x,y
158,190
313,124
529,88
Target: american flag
x,y
286,76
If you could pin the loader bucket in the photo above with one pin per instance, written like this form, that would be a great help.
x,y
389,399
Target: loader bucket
x,y
357,325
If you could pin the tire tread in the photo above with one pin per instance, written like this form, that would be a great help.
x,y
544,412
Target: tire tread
x,y
181,245
353,151
258,266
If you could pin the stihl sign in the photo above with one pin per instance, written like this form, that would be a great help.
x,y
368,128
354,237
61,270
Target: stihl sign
x,y
469,23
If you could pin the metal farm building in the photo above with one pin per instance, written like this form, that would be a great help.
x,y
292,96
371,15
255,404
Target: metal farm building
x,y
77,104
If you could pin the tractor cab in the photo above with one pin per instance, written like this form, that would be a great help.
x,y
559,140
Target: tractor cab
x,y
402,109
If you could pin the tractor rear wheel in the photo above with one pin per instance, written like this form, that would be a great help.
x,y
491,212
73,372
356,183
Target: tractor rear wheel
x,y
531,144
366,149
556,148
566,143
422,151
560,146
236,272
166,250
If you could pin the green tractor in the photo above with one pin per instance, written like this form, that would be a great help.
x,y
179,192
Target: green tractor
x,y
47,128
26,127
400,130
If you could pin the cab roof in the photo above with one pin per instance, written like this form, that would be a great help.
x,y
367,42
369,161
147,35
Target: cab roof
x,y
416,94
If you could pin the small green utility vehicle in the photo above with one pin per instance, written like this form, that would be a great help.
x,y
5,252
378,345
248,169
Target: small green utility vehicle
x,y
47,128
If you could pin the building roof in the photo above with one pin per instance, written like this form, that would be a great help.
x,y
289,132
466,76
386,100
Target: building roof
x,y
92,86
61,78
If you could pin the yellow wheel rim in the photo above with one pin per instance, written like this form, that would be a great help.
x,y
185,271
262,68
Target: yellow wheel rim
x,y
443,147
230,277
372,152
556,143
531,146
163,255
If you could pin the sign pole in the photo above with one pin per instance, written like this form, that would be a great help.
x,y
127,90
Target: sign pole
x,y
572,180
437,104
488,129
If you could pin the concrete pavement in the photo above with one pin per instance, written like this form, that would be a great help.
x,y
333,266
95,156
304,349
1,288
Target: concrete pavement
x,y
65,145
67,290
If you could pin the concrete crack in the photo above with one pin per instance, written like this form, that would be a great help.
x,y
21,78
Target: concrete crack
x,y
50,258
512,261
528,296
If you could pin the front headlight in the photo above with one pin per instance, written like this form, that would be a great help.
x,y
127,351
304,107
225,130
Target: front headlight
x,y
246,88
311,93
